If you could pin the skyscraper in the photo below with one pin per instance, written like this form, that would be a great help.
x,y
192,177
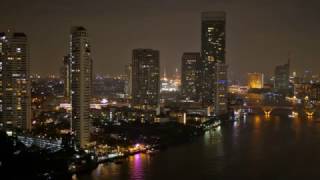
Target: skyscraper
x,y
281,80
81,76
15,97
213,40
145,78
189,76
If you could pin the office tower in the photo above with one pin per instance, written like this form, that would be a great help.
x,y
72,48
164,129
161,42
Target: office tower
x,y
281,80
128,81
15,95
145,78
189,76
213,40
66,73
255,80
221,89
81,76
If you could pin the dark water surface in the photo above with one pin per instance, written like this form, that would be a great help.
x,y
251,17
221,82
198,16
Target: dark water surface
x,y
253,148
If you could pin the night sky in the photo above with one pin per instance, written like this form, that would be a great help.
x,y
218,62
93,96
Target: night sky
x,y
260,34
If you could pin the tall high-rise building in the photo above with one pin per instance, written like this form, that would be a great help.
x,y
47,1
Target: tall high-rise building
x,y
81,77
189,76
66,73
15,95
213,43
255,80
281,80
128,82
145,78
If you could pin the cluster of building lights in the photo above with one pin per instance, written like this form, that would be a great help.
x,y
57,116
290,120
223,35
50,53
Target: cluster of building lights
x,y
170,84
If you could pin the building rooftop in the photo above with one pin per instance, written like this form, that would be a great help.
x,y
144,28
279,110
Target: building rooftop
x,y
213,15
19,34
15,34
78,28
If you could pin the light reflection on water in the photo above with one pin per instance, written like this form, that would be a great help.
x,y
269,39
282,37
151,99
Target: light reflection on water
x,y
136,163
255,147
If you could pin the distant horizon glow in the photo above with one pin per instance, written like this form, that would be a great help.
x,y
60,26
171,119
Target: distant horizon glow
x,y
259,35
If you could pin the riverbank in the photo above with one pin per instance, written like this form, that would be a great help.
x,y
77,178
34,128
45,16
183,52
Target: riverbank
x,y
253,148
163,136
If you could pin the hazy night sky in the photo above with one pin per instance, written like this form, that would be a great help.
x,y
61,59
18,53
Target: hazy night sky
x,y
259,33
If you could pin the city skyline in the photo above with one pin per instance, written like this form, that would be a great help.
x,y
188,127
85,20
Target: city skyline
x,y
138,89
275,30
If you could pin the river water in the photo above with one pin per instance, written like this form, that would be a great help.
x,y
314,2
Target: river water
x,y
252,148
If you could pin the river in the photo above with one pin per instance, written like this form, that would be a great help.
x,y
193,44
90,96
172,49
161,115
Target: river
x,y
252,148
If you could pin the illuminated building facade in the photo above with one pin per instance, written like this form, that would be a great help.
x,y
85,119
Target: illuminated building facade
x,y
236,89
213,43
81,76
15,96
52,145
281,80
145,78
255,80
189,76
